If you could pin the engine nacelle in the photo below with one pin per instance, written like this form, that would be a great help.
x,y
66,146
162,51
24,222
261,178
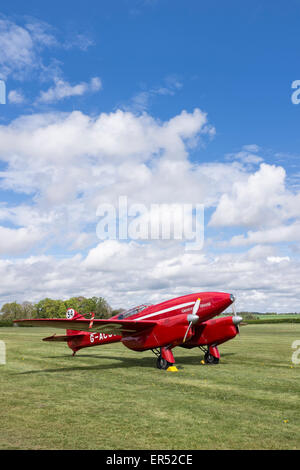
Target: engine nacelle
x,y
215,331
168,331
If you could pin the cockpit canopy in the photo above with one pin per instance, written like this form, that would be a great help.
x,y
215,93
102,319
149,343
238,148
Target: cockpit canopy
x,y
132,311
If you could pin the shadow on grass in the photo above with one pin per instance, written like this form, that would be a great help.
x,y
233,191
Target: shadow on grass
x,y
122,362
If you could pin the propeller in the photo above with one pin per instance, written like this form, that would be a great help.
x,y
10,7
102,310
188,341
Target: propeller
x,y
192,318
236,319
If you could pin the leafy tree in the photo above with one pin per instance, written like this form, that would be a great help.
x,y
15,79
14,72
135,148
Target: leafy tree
x,y
83,305
248,316
117,311
28,310
49,308
11,311
89,305
102,310
74,302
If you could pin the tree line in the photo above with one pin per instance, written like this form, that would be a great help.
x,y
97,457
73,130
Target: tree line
x,y
50,308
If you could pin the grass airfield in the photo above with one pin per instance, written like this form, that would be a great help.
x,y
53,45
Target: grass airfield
x,y
109,397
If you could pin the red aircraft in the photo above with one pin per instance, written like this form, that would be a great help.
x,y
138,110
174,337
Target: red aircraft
x,y
185,321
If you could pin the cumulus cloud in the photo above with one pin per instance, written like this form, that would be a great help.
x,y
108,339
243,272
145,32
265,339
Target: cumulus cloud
x,y
17,241
69,163
261,201
129,274
247,155
108,148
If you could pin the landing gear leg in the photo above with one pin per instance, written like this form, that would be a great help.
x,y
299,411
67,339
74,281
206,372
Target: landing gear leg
x,y
210,359
212,355
165,358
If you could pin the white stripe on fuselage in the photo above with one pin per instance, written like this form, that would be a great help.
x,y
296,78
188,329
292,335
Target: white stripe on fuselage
x,y
165,310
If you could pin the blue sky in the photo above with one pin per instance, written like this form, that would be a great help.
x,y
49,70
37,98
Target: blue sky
x,y
104,70
229,58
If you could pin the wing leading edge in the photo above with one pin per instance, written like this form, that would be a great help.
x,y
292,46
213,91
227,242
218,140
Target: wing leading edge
x,y
106,326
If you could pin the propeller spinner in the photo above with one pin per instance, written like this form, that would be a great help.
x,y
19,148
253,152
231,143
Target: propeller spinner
x,y
236,319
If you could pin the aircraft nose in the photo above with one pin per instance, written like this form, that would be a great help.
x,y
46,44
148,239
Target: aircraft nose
x,y
232,298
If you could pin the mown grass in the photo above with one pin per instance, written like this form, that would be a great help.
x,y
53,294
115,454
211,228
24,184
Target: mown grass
x,y
282,316
109,397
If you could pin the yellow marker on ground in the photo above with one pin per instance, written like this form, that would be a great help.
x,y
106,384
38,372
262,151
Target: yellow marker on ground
x,y
172,369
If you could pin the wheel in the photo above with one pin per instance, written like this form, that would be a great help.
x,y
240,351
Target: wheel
x,y
210,359
162,363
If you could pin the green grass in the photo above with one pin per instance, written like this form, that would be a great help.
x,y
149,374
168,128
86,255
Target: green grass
x,y
282,316
109,397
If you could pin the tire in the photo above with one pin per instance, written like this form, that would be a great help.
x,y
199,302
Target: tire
x,y
162,363
210,359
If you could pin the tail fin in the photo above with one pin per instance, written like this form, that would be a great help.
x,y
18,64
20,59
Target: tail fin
x,y
72,337
75,338
71,314
82,339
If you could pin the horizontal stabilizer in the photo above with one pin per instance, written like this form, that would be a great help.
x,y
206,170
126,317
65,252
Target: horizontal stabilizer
x,y
61,337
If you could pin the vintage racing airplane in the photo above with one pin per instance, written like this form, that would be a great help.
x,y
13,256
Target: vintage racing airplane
x,y
186,321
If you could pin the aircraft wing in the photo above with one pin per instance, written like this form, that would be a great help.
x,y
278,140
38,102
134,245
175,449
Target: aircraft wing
x,y
116,327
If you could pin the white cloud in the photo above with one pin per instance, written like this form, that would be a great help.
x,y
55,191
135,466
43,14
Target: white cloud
x,y
16,241
22,58
80,41
141,101
248,155
105,156
21,46
63,89
129,274
277,259
278,234
69,163
46,143
251,148
261,201
16,97
41,33
108,256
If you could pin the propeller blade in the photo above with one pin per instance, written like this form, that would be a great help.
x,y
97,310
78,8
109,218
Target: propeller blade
x,y
196,306
193,318
186,333
236,319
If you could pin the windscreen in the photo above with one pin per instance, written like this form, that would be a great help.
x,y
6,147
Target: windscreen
x,y
132,311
